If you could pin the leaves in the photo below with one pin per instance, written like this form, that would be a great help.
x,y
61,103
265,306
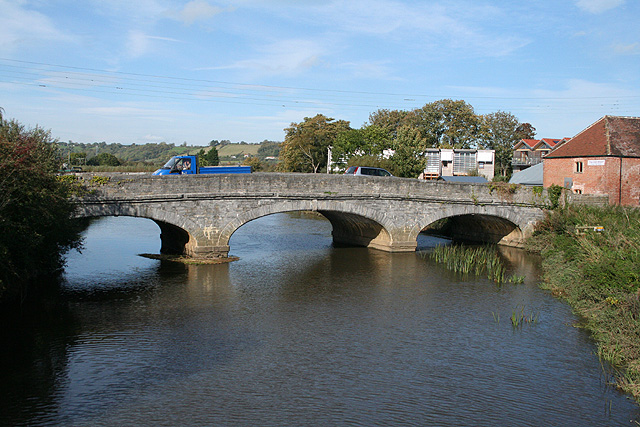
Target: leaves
x,y
35,211
305,147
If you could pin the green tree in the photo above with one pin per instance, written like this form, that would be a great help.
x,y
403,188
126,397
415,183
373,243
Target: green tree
x,y
268,149
369,141
77,159
409,158
306,144
201,158
526,131
500,132
104,159
35,210
388,120
254,162
212,157
446,124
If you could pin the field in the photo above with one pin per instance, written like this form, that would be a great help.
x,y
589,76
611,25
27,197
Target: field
x,y
238,150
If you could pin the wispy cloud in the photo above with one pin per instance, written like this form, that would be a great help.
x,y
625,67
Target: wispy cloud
x,y
627,49
196,10
140,43
598,6
21,27
286,57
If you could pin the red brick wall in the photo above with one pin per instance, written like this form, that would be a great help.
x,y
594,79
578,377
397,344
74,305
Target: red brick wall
x,y
619,178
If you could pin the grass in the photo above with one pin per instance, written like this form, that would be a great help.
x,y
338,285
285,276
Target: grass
x,y
598,274
480,261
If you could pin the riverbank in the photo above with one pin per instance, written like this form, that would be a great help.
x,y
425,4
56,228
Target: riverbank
x,y
591,259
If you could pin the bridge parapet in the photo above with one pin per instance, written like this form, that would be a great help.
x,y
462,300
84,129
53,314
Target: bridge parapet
x,y
380,212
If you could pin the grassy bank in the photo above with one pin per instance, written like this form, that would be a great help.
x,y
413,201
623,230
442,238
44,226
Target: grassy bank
x,y
597,271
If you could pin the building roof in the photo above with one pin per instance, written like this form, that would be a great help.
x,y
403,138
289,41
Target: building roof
x,y
528,144
464,178
535,144
529,176
610,136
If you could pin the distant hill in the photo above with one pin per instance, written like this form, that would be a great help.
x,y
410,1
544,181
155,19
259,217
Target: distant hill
x,y
158,154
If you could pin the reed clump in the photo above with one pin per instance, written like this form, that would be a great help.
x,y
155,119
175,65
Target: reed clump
x,y
480,261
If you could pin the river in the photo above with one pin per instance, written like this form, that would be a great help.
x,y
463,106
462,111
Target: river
x,y
298,332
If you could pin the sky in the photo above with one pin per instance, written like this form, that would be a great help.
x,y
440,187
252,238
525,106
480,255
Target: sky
x,y
124,71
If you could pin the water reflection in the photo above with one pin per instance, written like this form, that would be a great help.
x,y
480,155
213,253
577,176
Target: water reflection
x,y
298,332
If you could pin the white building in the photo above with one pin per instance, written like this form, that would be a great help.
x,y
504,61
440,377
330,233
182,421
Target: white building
x,y
459,162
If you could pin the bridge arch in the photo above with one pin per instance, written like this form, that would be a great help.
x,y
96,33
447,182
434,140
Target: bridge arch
x,y
177,232
351,223
488,224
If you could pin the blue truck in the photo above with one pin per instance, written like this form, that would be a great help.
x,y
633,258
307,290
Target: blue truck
x,y
187,165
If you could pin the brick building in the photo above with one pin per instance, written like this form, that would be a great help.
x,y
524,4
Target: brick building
x,y
602,159
529,152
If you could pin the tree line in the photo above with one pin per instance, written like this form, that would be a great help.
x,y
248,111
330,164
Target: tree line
x,y
152,154
398,140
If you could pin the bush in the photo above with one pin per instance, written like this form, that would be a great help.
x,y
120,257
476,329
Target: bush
x,y
35,210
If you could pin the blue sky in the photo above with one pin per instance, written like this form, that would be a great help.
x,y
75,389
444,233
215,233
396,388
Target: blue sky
x,y
192,71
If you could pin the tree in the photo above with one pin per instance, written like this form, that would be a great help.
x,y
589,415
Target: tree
x,y
369,141
35,211
409,158
388,120
526,131
500,132
305,145
254,162
268,149
446,124
212,157
104,159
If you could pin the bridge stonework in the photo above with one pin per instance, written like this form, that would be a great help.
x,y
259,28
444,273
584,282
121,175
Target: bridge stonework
x,y
198,214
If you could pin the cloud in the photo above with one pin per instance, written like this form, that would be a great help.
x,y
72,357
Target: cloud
x,y
598,6
197,10
140,43
627,49
20,26
287,57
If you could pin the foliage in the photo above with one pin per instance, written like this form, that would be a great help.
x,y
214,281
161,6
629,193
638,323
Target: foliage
x,y
104,159
554,192
598,274
409,149
35,210
305,146
500,132
447,123
254,162
369,141
150,154
211,157
268,149
99,180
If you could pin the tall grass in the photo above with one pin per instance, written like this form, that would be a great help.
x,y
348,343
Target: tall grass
x,y
480,261
598,274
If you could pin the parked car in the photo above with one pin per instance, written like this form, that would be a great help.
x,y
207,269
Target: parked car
x,y
365,170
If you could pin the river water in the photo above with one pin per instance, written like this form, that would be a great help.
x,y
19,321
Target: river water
x,y
297,333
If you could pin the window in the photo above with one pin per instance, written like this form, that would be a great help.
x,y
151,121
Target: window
x,y
579,166
463,162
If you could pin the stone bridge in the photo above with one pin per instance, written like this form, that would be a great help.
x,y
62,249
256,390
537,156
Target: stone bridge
x,y
198,214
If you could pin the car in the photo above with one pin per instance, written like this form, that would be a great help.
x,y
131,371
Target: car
x,y
366,170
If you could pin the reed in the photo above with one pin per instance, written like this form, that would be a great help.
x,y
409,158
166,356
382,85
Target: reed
x,y
519,317
481,260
